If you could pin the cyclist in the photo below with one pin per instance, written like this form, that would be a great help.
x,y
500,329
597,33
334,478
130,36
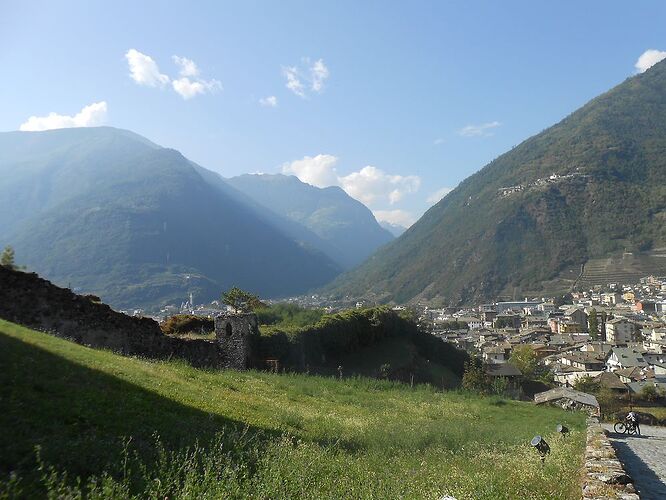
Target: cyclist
x,y
632,419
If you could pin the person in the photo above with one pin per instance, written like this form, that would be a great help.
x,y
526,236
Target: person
x,y
632,418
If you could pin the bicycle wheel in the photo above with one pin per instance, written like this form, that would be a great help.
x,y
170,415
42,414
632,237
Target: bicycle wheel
x,y
620,428
631,429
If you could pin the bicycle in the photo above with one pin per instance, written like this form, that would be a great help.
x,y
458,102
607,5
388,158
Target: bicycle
x,y
625,427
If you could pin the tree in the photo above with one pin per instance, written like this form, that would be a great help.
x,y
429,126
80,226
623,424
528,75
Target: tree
x,y
474,378
525,359
562,300
7,258
650,393
241,300
593,323
587,384
609,402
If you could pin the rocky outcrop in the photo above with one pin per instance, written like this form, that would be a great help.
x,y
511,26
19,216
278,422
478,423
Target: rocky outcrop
x,y
603,474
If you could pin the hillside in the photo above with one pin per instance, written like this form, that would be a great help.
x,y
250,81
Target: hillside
x,y
590,187
347,227
111,213
259,435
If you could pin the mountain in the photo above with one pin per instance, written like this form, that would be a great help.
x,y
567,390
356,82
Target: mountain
x,y
395,229
590,187
113,214
348,231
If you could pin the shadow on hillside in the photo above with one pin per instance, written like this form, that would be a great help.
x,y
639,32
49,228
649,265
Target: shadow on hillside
x,y
80,417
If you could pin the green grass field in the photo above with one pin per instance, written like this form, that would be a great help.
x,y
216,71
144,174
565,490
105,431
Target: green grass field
x,y
130,427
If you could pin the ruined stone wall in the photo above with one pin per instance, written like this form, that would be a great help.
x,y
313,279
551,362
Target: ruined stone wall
x,y
236,334
29,300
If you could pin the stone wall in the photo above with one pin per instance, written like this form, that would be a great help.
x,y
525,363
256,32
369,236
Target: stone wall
x,y
29,300
236,333
603,474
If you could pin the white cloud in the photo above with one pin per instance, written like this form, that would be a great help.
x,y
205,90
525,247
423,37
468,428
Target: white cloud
x,y
187,88
648,59
483,130
293,81
399,217
144,70
187,66
438,141
369,185
269,102
438,195
90,116
316,170
309,76
319,73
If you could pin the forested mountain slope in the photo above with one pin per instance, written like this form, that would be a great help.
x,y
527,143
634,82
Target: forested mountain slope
x,y
347,228
589,187
111,213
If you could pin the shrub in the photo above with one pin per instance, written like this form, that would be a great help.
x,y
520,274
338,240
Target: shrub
x,y
187,323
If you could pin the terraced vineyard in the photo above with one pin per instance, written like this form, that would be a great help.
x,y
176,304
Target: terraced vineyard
x,y
626,268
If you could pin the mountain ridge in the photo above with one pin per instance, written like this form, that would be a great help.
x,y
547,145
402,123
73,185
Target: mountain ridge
x,y
587,187
347,229
138,224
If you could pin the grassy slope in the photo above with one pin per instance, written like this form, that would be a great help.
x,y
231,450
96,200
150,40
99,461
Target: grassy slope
x,y
360,437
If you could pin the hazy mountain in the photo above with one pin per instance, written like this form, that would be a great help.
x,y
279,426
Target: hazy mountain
x,y
114,214
592,186
348,231
395,229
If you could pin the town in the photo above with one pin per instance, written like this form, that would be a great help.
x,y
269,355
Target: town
x,y
612,335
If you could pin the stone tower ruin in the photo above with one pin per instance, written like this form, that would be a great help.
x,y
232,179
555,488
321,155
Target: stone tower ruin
x,y
236,335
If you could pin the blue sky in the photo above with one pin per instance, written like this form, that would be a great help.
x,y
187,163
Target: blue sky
x,y
394,101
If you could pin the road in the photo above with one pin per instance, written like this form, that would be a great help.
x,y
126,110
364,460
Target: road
x,y
644,459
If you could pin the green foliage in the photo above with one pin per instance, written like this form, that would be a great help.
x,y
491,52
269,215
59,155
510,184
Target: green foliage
x,y
7,258
562,300
453,325
286,315
474,378
335,337
525,359
587,384
504,322
609,402
499,386
187,323
612,201
651,393
115,427
241,300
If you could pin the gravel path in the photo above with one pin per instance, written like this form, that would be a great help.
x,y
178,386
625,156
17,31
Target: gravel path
x,y
644,459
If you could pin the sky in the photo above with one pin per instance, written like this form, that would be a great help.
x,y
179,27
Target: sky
x,y
395,102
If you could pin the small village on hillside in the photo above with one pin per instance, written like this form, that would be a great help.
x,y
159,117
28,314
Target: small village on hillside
x,y
613,336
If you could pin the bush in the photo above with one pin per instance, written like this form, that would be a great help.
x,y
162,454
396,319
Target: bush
x,y
336,335
187,323
651,393
288,315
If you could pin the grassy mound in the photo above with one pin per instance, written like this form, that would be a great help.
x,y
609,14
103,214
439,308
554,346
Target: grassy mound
x,y
129,427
